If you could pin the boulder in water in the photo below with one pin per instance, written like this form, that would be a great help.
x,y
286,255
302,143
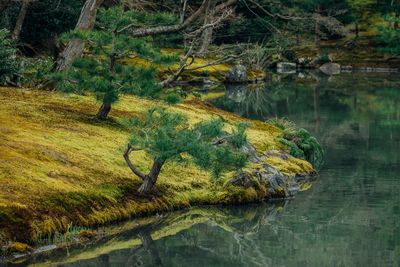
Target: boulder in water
x,y
330,68
286,67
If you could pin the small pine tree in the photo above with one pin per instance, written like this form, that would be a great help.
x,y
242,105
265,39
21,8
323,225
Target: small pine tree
x,y
168,137
102,72
8,65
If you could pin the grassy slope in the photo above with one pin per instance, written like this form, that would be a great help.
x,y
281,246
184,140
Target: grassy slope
x,y
58,165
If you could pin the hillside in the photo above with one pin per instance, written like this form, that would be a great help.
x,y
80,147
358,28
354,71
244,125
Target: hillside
x,y
60,167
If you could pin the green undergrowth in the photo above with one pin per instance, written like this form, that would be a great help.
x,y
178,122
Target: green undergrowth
x,y
60,167
299,142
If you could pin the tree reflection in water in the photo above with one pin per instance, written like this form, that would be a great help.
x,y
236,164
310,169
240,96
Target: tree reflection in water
x,y
350,217
149,245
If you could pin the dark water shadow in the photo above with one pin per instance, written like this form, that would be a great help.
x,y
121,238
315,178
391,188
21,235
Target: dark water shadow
x,y
136,243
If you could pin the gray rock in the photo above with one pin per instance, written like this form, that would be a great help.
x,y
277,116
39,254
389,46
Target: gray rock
x,y
346,68
245,179
251,152
330,68
284,71
278,184
237,74
286,66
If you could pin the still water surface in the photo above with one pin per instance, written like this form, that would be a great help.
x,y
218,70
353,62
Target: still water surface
x,y
349,217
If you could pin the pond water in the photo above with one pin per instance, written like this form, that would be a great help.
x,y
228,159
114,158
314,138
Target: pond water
x,y
349,217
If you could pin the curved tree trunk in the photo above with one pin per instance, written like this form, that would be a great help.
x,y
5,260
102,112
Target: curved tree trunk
x,y
104,110
150,180
20,20
75,47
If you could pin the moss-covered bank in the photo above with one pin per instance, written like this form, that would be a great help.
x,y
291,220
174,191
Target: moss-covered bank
x,y
60,167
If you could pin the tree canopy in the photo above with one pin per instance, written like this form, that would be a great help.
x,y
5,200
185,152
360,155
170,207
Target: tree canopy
x,y
102,71
167,136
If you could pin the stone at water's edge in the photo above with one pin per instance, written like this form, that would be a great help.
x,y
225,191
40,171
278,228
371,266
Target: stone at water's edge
x,y
278,184
286,67
330,68
237,74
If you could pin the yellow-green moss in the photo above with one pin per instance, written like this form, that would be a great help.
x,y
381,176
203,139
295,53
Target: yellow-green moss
x,y
195,72
18,247
60,166
290,166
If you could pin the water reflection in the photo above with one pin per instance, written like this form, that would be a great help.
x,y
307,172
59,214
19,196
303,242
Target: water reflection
x,y
349,217
149,245
308,98
353,212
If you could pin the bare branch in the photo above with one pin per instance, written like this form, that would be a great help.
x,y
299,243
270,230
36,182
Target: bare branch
x,y
183,11
274,15
146,31
182,66
217,21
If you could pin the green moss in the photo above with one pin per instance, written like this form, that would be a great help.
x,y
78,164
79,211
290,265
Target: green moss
x,y
18,247
299,142
59,167
196,73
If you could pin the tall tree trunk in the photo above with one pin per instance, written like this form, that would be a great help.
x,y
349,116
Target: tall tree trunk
x,y
317,27
75,47
150,179
206,36
20,20
104,110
